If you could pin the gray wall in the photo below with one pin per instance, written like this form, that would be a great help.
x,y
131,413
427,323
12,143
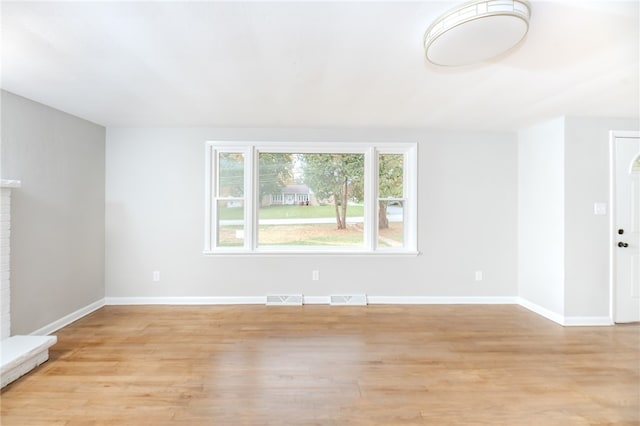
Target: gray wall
x,y
57,246
520,208
467,220
563,245
587,235
541,215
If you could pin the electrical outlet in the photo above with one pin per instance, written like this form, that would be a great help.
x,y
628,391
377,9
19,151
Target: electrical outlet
x,y
156,276
315,275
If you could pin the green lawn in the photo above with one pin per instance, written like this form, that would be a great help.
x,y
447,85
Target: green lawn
x,y
291,212
321,234
310,235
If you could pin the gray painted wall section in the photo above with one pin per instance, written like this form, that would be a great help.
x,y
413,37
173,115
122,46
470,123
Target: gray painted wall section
x,y
467,220
587,235
518,208
563,246
57,246
541,215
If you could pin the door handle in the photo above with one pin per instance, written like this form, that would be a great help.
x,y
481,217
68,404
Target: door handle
x,y
621,244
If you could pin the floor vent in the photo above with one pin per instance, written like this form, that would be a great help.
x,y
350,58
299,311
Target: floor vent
x,y
348,299
284,299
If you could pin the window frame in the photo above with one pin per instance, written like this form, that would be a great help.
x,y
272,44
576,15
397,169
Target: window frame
x,y
251,151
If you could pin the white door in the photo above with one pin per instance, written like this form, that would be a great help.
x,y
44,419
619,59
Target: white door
x,y
627,228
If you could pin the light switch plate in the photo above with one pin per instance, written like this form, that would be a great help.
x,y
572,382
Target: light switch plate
x,y
599,209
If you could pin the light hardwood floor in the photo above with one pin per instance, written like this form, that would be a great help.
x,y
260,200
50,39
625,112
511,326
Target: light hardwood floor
x,y
321,365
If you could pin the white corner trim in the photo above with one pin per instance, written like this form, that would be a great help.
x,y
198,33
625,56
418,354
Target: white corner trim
x,y
68,319
587,321
548,314
223,300
442,300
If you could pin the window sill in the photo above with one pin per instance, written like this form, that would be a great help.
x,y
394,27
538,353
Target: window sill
x,y
286,253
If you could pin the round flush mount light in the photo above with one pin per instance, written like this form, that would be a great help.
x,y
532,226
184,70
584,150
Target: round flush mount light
x,y
477,31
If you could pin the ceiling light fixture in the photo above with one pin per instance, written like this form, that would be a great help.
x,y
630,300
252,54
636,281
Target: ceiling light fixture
x,y
477,31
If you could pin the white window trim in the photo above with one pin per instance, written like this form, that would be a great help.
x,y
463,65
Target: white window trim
x,y
251,151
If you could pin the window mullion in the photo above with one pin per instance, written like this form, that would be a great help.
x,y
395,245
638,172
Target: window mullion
x,y
408,199
210,216
410,194
370,199
249,199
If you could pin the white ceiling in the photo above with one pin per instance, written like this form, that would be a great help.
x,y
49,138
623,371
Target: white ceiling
x,y
313,64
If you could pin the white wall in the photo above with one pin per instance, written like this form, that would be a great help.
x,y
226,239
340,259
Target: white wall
x,y
587,235
57,236
155,220
541,215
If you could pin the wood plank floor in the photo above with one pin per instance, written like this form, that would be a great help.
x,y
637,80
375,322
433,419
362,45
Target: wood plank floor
x,y
321,365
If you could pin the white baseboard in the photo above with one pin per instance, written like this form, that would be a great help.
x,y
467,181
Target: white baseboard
x,y
444,300
548,314
223,300
587,321
68,319
563,320
312,300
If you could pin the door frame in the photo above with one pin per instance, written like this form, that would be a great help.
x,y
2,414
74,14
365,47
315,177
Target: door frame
x,y
613,135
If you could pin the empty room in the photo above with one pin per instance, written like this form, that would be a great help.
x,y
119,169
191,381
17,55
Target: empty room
x,y
320,212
